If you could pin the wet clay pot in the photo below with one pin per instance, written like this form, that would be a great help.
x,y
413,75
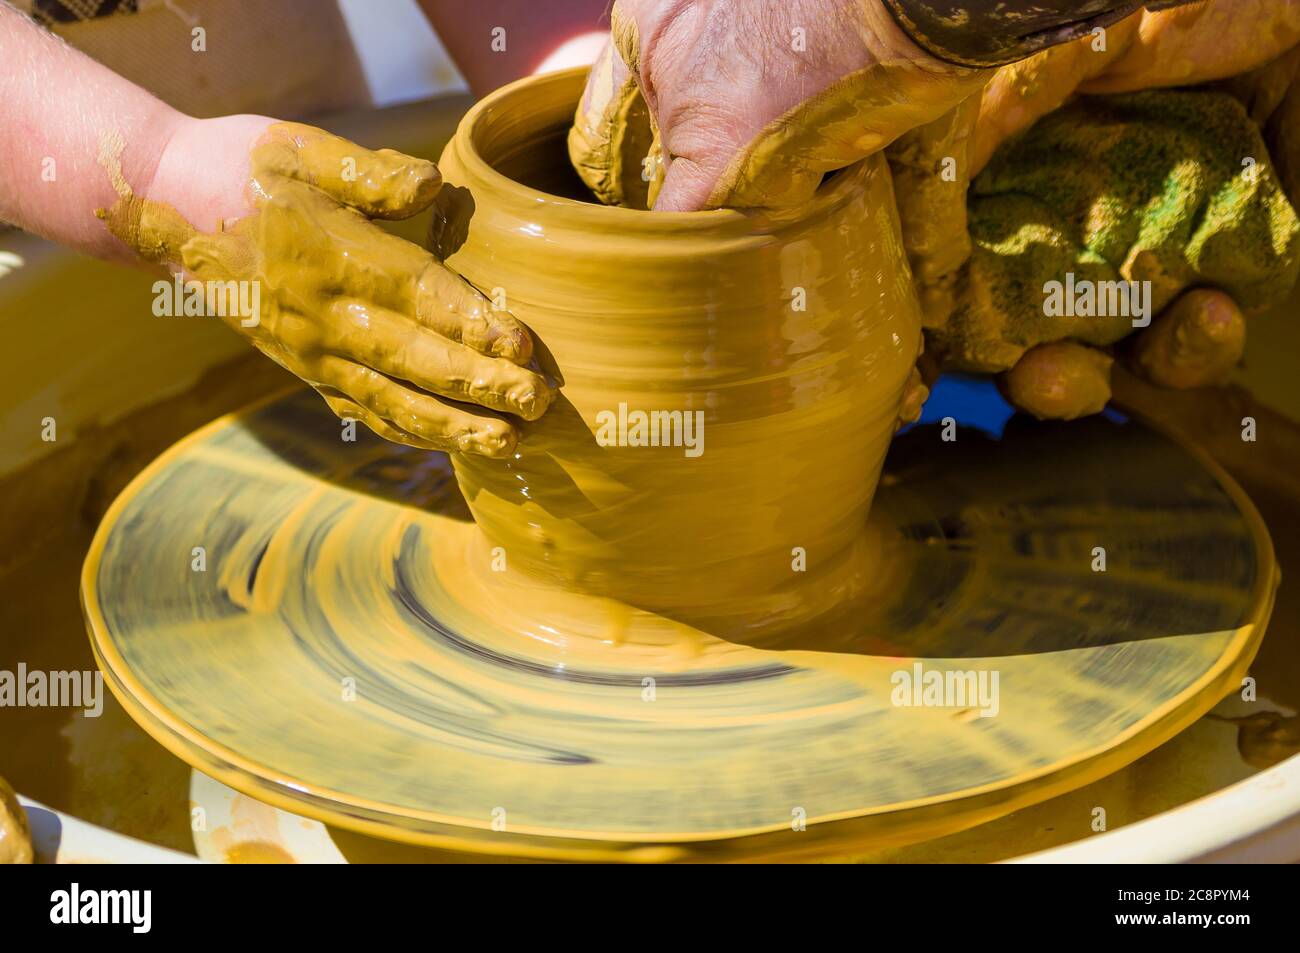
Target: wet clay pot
x,y
788,335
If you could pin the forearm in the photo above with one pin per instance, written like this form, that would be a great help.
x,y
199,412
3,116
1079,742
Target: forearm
x,y
65,123
997,32
533,31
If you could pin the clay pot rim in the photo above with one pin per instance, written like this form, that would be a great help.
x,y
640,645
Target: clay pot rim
x,y
482,175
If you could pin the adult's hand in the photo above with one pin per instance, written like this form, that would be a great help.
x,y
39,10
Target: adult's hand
x,y
750,104
1181,46
1147,223
1200,335
275,218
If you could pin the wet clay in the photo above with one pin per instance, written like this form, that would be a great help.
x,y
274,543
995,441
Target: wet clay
x,y
15,835
1267,738
612,136
287,151
639,568
1196,343
859,115
789,336
343,656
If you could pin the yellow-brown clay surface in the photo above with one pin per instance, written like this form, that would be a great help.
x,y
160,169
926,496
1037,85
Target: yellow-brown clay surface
x,y
353,651
785,338
329,562
15,835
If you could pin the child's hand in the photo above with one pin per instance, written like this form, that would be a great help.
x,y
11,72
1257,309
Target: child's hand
x,y
386,333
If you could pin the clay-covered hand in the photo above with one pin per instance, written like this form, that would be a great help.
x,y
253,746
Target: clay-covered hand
x,y
1158,212
1200,335
740,104
1181,46
385,332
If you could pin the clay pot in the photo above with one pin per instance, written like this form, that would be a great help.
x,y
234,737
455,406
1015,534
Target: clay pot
x,y
789,335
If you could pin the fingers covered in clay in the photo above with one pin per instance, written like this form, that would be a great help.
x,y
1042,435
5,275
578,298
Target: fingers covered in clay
x,y
1198,42
407,415
345,408
611,137
369,319
1059,381
451,306
915,394
931,171
1195,342
1069,245
394,345
1020,94
380,184
783,163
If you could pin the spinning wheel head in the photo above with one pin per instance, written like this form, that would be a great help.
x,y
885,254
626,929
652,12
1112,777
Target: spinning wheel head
x,y
335,658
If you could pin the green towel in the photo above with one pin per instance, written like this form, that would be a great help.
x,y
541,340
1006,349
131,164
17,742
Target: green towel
x,y
1174,187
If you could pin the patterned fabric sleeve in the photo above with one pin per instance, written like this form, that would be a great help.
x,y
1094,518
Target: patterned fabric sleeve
x,y
51,12
997,32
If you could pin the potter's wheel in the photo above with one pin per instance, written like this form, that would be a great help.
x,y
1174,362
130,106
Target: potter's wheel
x,y
317,665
